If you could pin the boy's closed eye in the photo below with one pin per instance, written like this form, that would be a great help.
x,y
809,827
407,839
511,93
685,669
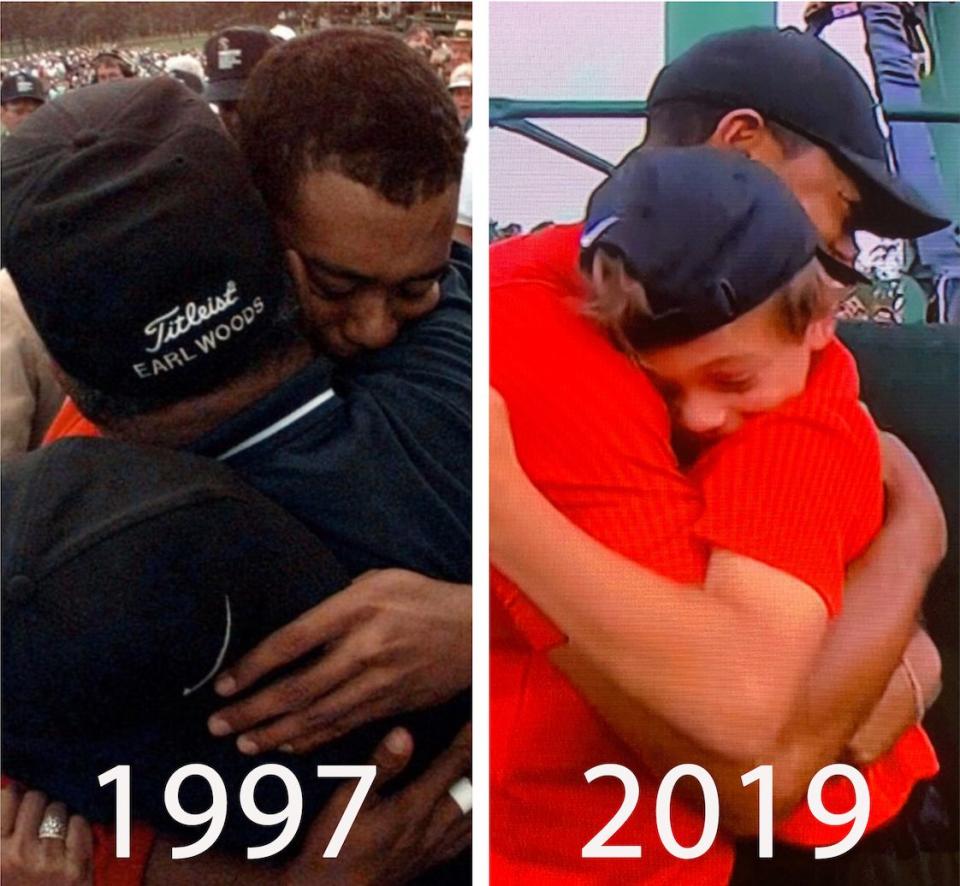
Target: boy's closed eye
x,y
733,384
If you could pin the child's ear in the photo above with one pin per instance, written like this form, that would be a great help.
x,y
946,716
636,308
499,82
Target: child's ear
x,y
821,331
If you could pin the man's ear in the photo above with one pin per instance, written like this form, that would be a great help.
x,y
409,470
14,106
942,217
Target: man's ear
x,y
744,130
821,332
299,273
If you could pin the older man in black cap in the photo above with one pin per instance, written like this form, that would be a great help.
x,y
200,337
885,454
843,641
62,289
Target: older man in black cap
x,y
211,330
20,95
167,582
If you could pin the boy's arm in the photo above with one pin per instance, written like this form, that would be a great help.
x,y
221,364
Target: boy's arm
x,y
729,684
861,649
615,629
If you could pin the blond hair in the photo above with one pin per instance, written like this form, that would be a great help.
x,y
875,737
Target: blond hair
x,y
618,303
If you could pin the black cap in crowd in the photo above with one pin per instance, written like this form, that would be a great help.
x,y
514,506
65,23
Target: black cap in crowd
x,y
141,249
798,81
130,577
20,84
229,57
710,234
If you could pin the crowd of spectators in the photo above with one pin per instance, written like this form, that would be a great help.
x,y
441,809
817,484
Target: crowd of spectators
x,y
62,70
54,72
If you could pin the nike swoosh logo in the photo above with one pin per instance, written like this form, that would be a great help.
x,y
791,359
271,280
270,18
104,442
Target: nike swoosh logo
x,y
587,238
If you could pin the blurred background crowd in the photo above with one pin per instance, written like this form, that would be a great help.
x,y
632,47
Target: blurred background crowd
x,y
48,49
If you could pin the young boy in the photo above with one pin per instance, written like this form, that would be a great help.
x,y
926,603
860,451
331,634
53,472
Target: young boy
x,y
705,269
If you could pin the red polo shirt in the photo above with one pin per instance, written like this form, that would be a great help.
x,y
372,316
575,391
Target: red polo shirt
x,y
594,436
800,488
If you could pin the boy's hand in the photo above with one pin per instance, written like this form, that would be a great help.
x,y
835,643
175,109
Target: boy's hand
x,y
28,860
393,839
912,504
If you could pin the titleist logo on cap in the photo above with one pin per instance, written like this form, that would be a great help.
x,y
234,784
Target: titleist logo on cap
x,y
183,318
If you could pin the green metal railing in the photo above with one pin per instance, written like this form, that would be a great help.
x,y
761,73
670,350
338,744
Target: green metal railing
x,y
514,115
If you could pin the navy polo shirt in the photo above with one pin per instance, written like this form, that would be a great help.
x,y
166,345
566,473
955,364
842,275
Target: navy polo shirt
x,y
374,456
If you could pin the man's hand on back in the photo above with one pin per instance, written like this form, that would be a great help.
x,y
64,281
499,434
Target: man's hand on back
x,y
393,641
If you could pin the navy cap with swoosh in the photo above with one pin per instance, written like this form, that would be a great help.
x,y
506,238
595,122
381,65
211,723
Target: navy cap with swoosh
x,y
710,234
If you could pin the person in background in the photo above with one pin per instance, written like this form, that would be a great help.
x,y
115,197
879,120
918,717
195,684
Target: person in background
x,y
463,230
30,395
419,37
20,95
187,70
229,57
461,90
112,64
460,43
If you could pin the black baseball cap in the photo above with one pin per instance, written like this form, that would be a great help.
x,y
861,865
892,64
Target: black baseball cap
x,y
229,57
20,84
798,81
141,249
130,576
710,234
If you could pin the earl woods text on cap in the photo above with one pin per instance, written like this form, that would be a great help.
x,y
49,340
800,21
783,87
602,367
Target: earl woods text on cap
x,y
182,319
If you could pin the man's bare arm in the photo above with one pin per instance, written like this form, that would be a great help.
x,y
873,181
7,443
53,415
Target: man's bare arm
x,y
858,661
730,684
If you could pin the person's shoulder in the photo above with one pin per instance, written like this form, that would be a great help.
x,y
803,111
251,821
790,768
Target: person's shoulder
x,y
459,279
830,400
824,439
545,255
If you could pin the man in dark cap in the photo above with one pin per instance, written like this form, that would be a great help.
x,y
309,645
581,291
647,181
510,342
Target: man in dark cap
x,y
796,105
20,95
618,478
201,346
229,57
166,584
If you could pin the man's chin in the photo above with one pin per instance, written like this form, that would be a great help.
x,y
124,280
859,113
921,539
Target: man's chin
x,y
337,347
